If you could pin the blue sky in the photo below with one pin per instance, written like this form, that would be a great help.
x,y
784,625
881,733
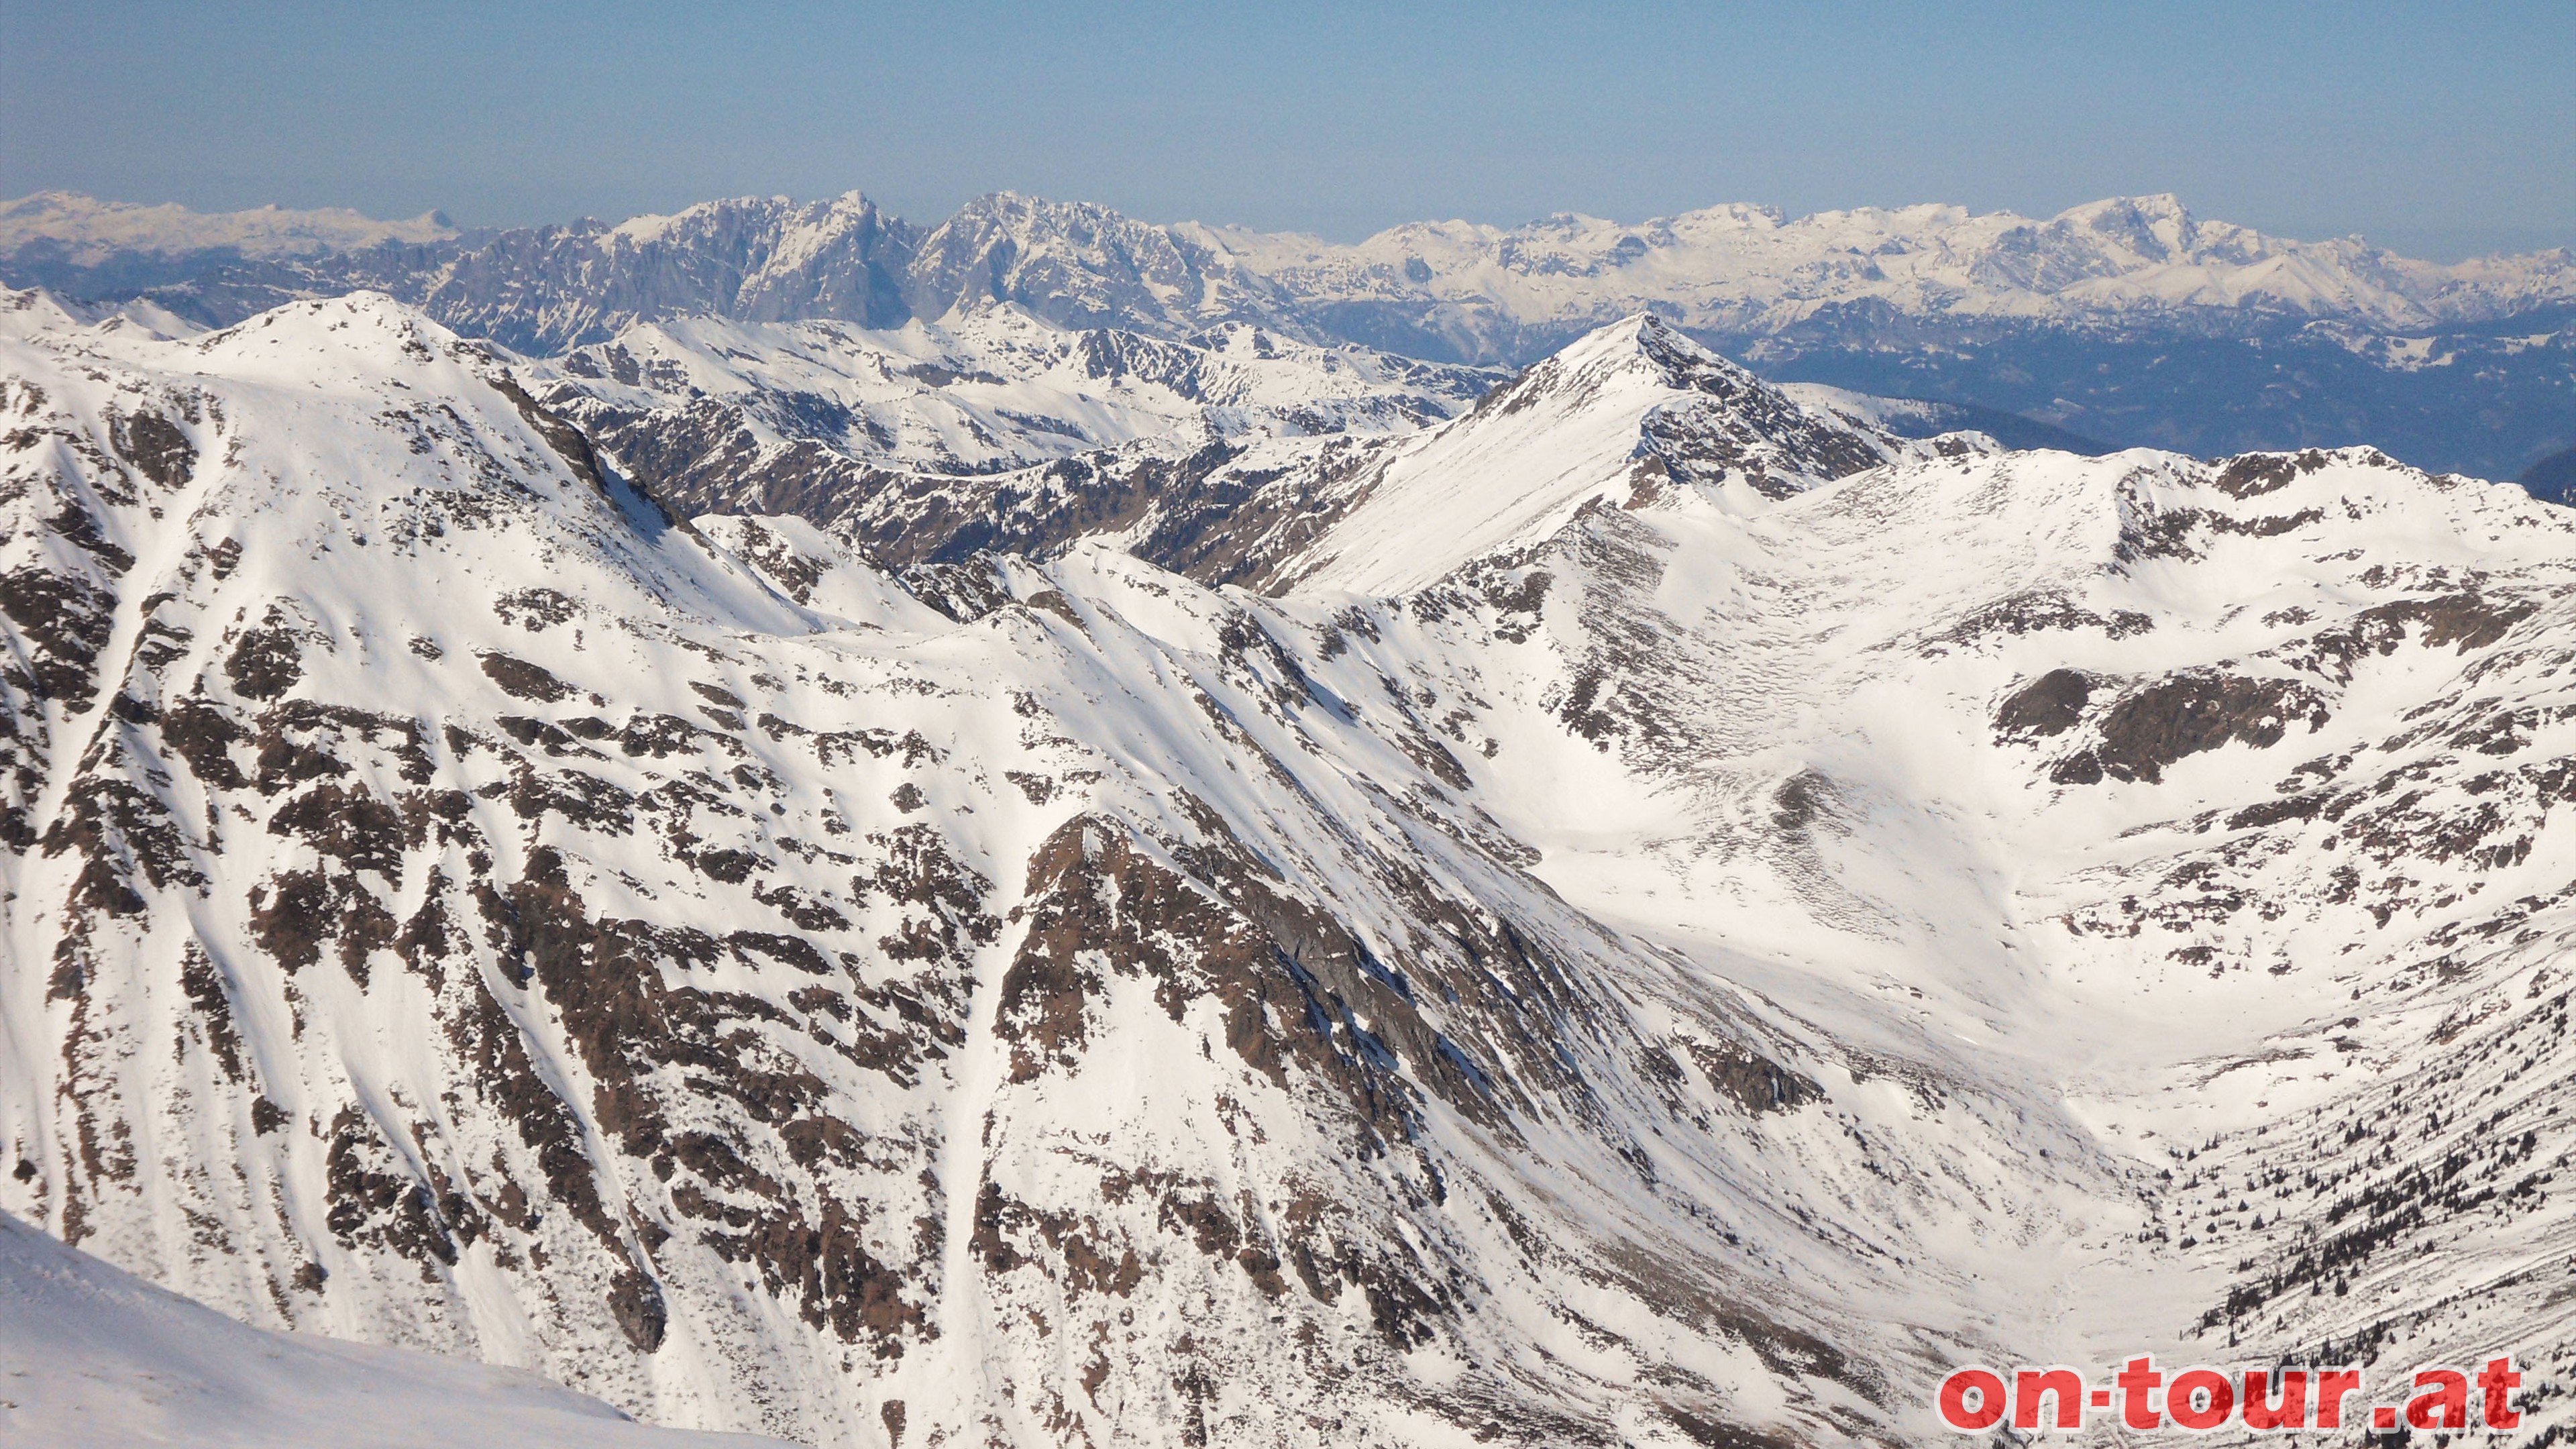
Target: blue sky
x,y
2442,130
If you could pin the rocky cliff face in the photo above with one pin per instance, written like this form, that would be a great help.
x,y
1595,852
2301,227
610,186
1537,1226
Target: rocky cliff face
x,y
1670,918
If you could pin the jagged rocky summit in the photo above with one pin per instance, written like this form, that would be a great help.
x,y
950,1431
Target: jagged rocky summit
x,y
1646,911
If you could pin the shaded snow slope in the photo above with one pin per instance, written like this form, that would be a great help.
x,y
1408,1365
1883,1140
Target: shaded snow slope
x,y
1736,914
92,1356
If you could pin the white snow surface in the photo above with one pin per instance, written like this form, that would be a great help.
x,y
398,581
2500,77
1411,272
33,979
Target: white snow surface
x,y
92,1357
1569,434
994,388
1598,953
1735,267
1748,267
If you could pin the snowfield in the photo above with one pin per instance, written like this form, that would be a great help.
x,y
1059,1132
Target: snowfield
x,y
1650,911
90,1356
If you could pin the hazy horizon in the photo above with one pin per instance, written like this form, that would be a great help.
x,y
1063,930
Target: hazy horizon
x,y
2506,246
2435,132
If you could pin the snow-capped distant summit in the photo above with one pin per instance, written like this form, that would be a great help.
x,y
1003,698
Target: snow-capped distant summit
x,y
85,231
755,259
1485,291
2129,319
1751,269
1082,265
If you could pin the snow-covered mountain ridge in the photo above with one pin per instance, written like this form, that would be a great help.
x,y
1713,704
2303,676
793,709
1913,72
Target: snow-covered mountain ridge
x,y
1735,269
1671,917
1264,446
2127,319
994,390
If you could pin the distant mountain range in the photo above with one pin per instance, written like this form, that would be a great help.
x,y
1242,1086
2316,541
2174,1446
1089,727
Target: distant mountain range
x,y
2126,320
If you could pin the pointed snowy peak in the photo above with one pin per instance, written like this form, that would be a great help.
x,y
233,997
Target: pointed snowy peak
x,y
2140,229
1080,265
25,312
1617,417
1638,352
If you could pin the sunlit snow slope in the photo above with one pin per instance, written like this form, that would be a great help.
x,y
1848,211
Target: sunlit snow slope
x,y
985,392
92,1358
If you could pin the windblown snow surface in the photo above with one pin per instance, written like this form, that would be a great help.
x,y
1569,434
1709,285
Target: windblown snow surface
x,y
996,389
1669,917
90,1355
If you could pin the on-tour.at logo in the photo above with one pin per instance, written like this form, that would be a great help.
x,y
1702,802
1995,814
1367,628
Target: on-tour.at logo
x,y
2201,1399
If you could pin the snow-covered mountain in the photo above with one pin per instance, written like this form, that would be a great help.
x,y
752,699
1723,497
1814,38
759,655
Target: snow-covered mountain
x,y
1233,461
1672,914
86,248
1487,293
1747,269
2127,319
995,389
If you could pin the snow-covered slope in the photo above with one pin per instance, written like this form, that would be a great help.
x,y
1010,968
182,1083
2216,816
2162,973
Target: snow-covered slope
x,y
989,391
2228,801
1234,461
1685,920
453,905
1617,418
93,1358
